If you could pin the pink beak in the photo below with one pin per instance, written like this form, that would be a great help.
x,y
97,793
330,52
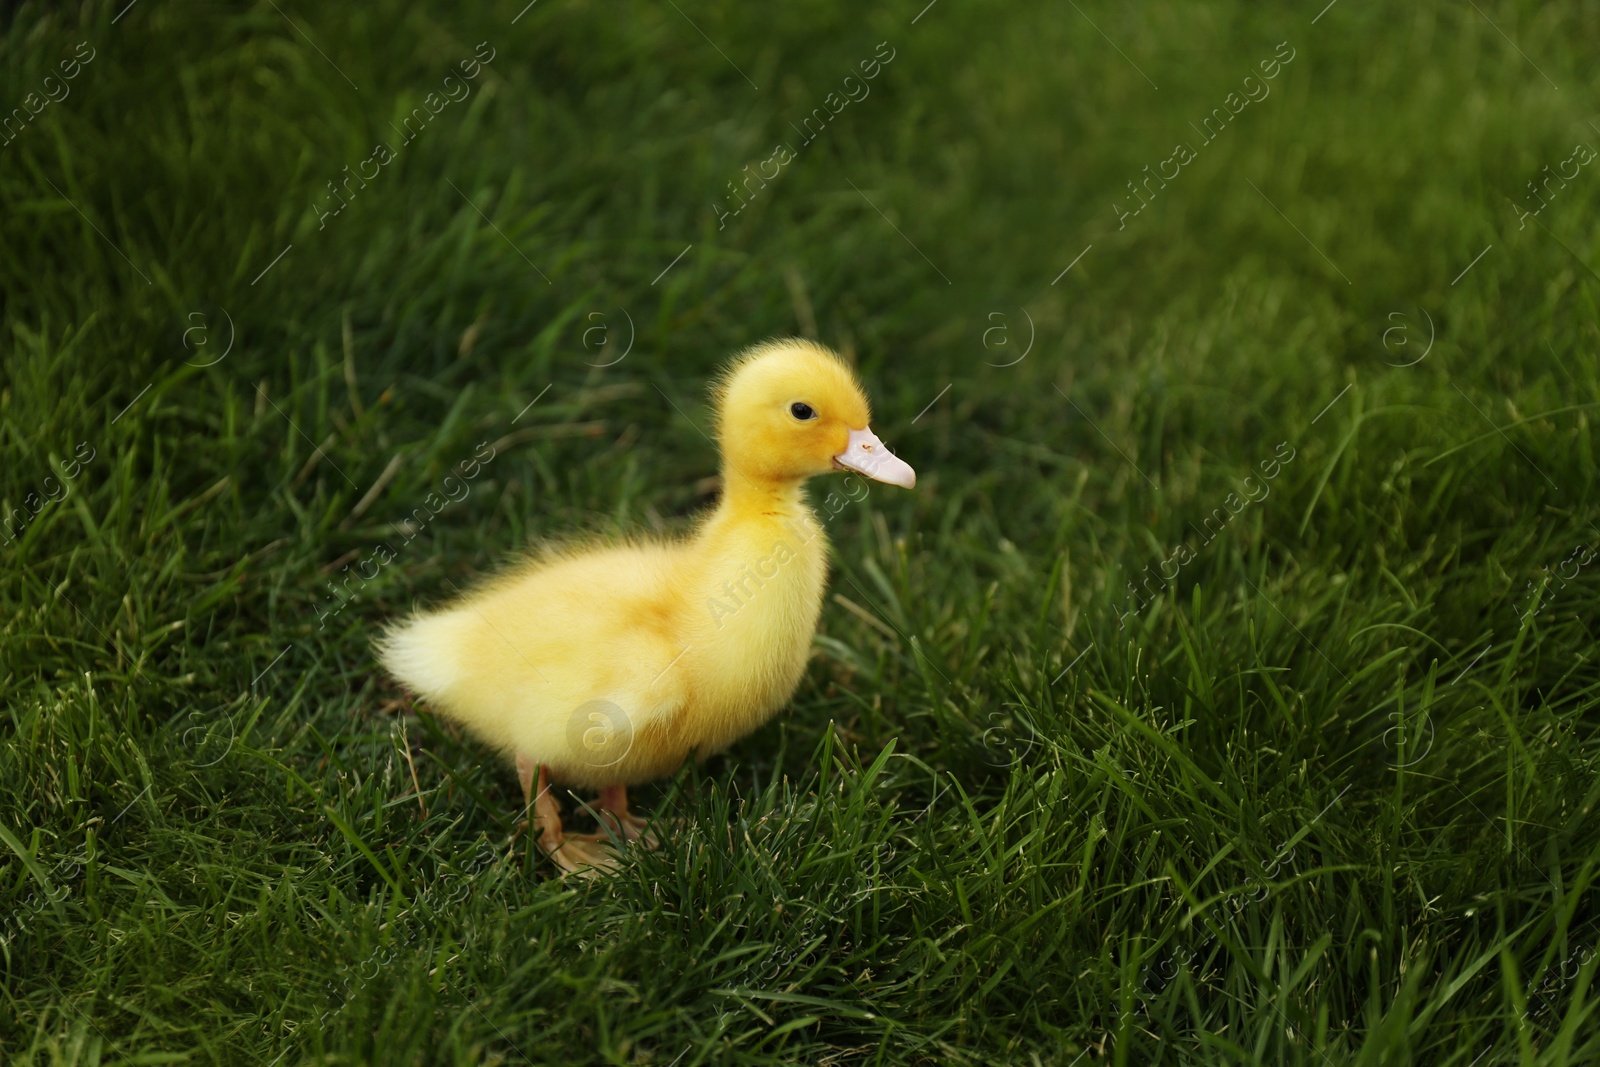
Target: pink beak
x,y
868,455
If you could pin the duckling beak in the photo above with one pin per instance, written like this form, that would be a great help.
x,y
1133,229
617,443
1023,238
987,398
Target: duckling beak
x,y
868,455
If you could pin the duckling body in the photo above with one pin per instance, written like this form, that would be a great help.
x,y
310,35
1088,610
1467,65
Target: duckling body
x,y
608,666
590,663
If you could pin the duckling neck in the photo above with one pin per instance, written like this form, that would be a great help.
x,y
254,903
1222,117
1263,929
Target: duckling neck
x,y
744,497
758,513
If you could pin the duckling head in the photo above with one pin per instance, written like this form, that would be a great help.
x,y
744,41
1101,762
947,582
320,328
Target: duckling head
x,y
791,409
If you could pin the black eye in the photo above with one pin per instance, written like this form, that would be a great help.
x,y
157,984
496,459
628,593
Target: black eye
x,y
802,411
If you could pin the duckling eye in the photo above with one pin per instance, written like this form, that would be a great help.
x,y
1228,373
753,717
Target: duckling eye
x,y
802,411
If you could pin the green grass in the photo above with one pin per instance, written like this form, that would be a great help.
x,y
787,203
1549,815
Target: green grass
x,y
1327,797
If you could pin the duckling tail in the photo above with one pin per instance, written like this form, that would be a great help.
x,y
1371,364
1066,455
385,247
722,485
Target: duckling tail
x,y
421,652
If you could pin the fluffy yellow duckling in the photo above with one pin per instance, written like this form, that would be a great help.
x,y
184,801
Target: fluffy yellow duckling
x,y
608,666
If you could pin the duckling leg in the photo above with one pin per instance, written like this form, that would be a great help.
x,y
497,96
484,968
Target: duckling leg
x,y
613,805
525,769
574,853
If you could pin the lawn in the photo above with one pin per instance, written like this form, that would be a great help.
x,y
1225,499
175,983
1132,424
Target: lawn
x,y
1225,692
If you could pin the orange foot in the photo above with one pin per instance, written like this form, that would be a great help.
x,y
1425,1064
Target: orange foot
x,y
613,806
586,855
